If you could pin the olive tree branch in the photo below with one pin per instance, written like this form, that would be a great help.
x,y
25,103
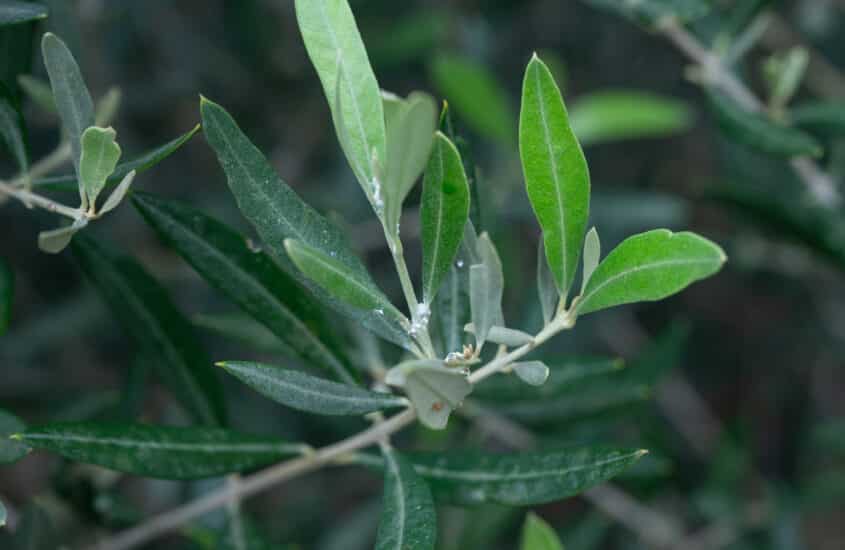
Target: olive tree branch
x,y
715,73
30,198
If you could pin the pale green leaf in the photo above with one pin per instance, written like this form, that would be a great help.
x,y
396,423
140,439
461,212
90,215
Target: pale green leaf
x,y
612,115
546,288
479,300
2,514
538,535
73,101
505,336
651,12
11,450
7,295
56,240
107,107
650,266
592,255
450,311
408,519
13,129
784,74
159,451
116,196
100,153
556,175
533,373
14,12
38,91
334,45
277,213
410,133
489,257
309,393
444,212
434,390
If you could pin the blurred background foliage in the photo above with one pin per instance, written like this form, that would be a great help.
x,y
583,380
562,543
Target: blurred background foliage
x,y
735,385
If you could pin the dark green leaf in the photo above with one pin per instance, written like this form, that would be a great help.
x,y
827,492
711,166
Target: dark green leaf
x,y
650,12
277,213
242,330
161,332
11,450
538,535
408,519
248,277
759,132
825,118
7,295
556,175
309,393
159,451
650,266
140,164
523,479
444,213
12,128
13,12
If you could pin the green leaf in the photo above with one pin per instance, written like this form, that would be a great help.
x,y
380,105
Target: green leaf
x,y
533,373
11,450
592,255
784,74
546,288
107,107
489,258
650,266
410,134
2,514
505,336
353,288
335,47
408,519
7,295
159,451
140,164
759,132
100,153
651,12
242,330
309,393
480,303
556,175
823,118
444,212
13,128
73,100
38,91
117,196
277,213
538,535
56,240
523,479
161,332
476,95
13,12
248,277
434,390
450,311
613,115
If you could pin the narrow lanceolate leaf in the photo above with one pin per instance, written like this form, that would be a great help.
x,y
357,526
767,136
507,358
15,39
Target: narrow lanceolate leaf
x,y
410,133
335,46
159,451
556,175
277,213
408,519
309,393
161,332
7,295
489,257
546,288
479,300
538,535
2,514
650,266
592,255
434,390
100,153
116,196
11,450
248,277
13,12
140,164
38,91
451,308
759,132
350,287
73,100
825,118
444,213
242,330
12,128
650,12
505,336
523,479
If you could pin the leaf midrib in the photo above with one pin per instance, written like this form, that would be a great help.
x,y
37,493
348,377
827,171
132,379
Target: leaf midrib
x,y
165,446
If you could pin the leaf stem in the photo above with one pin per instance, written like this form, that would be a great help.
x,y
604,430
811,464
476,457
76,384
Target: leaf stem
x,y
421,329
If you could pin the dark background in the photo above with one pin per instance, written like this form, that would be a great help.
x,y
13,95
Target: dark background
x,y
745,419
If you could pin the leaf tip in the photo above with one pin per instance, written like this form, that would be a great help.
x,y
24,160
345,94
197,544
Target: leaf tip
x,y
221,364
16,437
640,453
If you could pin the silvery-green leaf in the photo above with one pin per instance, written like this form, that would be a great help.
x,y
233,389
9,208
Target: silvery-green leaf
x,y
397,375
408,519
784,74
546,288
443,213
434,390
162,452
308,393
56,240
556,174
11,450
533,373
650,266
479,299
7,295
592,255
14,12
100,153
334,45
650,12
469,245
506,336
73,101
2,514
38,91
538,535
107,107
410,133
12,128
450,311
490,258
119,192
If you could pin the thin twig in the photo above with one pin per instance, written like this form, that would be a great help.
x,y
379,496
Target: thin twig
x,y
27,197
